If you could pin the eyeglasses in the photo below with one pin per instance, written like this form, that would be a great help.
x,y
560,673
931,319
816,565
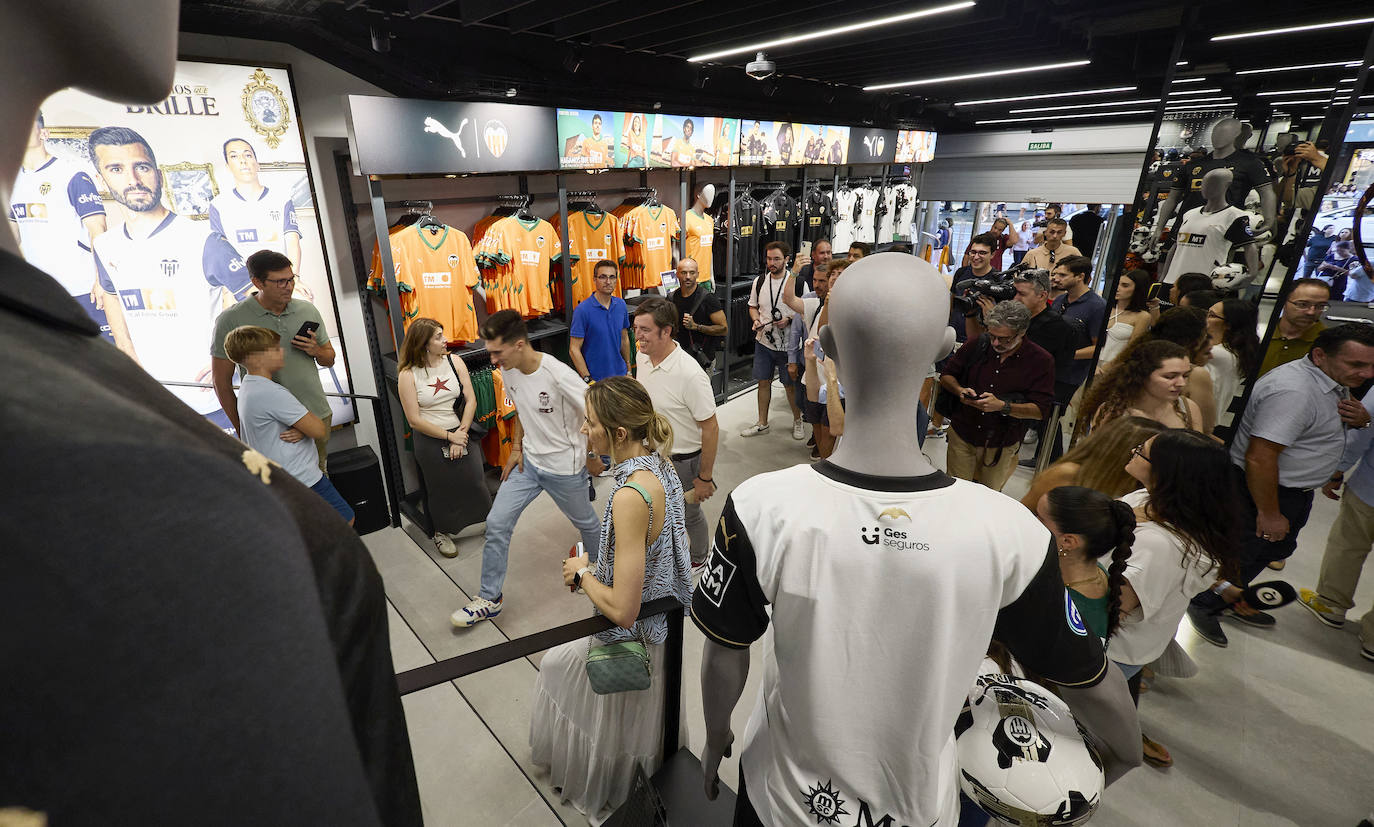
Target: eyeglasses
x,y
1000,339
1320,307
1139,451
979,253
605,277
280,282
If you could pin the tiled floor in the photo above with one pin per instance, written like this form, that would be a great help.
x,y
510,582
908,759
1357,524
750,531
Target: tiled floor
x,y
1277,729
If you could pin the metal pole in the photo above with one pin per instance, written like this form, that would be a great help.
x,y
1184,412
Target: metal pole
x,y
568,303
682,218
393,295
723,357
1047,439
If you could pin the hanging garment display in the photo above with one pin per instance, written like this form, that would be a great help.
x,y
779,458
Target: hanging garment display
x,y
746,233
698,243
885,214
781,219
435,275
820,215
515,256
845,202
649,231
593,236
905,208
865,227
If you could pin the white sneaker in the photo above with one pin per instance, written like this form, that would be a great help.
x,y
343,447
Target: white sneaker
x,y
475,612
445,544
754,430
798,430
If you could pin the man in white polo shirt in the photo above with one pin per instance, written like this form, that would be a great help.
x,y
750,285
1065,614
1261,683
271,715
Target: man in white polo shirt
x,y
681,391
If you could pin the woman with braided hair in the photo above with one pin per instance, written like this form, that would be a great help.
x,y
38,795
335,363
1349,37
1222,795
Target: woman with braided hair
x,y
1148,380
1088,525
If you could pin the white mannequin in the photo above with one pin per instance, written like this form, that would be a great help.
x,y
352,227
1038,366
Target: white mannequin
x,y
1214,186
888,315
1228,137
47,50
705,196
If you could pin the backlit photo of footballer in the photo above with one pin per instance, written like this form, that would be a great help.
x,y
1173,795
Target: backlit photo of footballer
x,y
165,277
253,217
58,212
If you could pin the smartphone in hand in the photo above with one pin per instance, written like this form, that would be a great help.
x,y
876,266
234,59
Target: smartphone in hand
x,y
578,549
308,329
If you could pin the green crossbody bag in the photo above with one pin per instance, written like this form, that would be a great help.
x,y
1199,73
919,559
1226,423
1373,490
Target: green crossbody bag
x,y
625,666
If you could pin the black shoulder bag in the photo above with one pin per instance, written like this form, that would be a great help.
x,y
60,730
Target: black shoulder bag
x,y
475,430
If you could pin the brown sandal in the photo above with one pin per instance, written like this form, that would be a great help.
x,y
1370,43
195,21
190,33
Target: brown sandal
x,y
1160,757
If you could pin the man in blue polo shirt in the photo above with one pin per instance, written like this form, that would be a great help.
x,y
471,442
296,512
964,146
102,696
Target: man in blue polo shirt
x,y
600,338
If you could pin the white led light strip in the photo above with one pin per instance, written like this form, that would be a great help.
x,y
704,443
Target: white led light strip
x,y
838,30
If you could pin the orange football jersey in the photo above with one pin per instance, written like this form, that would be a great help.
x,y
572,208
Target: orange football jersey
x,y
592,237
700,232
649,235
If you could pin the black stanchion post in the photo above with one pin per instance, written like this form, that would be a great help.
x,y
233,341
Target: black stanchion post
x,y
672,700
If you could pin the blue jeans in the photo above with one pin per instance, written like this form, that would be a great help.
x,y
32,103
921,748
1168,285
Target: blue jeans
x,y
520,489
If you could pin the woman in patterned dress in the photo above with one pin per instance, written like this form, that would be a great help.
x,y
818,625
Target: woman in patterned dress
x,y
591,743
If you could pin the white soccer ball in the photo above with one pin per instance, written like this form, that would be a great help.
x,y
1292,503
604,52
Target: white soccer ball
x,y
1023,757
1230,276
1142,239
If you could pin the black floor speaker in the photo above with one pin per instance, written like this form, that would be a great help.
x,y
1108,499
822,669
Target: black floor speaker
x,y
357,474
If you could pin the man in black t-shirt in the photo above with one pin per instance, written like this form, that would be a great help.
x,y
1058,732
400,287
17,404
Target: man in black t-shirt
x,y
1085,227
701,319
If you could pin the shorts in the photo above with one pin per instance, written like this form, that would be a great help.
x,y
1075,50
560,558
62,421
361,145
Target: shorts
x,y
816,413
331,495
767,362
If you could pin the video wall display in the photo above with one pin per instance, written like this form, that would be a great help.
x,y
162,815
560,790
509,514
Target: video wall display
x,y
146,214
1340,246
392,136
915,146
787,143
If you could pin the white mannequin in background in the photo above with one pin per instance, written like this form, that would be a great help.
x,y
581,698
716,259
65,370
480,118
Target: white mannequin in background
x,y
698,233
1228,138
1212,221
890,318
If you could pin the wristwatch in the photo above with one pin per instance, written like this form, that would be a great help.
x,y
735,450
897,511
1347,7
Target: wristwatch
x,y
577,578
1006,409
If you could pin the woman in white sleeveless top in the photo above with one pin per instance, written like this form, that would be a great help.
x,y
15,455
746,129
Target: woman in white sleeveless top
x,y
1235,350
1130,318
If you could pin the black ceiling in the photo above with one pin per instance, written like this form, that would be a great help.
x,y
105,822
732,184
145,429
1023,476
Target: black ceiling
x,y
631,54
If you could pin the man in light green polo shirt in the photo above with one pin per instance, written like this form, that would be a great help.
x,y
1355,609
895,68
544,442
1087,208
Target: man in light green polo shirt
x,y
273,308
1299,325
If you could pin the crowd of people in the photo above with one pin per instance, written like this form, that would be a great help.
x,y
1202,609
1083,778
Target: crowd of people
x,y
1153,518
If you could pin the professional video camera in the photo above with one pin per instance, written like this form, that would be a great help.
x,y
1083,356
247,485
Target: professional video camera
x,y
997,286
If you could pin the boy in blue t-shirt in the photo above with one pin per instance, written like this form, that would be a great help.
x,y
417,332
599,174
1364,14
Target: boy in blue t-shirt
x,y
272,421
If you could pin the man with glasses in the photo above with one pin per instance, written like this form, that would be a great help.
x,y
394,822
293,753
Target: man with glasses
x,y
1300,323
1003,384
1053,249
273,307
599,342
1297,425
979,255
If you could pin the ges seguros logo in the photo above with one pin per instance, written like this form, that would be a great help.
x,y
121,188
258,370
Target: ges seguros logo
x,y
886,533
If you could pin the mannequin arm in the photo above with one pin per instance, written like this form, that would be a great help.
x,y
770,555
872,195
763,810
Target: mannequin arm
x,y
1106,711
1252,260
1164,271
1269,204
723,674
1166,211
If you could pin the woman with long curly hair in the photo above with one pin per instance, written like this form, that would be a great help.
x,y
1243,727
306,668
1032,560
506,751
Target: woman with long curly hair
x,y
1148,380
1097,461
1088,525
1185,542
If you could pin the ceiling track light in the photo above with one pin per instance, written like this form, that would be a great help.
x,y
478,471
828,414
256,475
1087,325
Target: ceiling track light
x,y
1135,102
832,32
1334,24
1062,117
1294,92
1047,95
1019,70
1299,67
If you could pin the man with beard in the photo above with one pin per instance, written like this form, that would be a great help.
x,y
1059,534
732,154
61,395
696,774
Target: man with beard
x,y
166,277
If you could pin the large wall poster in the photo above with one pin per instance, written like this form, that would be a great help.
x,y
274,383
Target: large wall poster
x,y
185,191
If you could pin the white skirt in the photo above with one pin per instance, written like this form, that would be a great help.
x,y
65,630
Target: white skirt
x,y
590,743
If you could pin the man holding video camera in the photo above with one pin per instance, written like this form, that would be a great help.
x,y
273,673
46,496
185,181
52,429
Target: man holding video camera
x,y
1000,383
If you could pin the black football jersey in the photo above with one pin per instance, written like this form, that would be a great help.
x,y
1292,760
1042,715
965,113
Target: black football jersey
x,y
820,216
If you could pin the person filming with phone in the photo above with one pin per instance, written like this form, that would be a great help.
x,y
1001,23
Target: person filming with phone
x,y
299,324
1001,383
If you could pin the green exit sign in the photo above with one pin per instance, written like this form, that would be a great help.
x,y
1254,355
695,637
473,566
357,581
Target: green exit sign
x,y
1037,145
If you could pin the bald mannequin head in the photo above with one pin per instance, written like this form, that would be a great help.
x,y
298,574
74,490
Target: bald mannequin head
x,y
888,320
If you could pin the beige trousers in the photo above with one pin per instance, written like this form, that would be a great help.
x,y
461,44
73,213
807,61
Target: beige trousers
x,y
1347,546
968,462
